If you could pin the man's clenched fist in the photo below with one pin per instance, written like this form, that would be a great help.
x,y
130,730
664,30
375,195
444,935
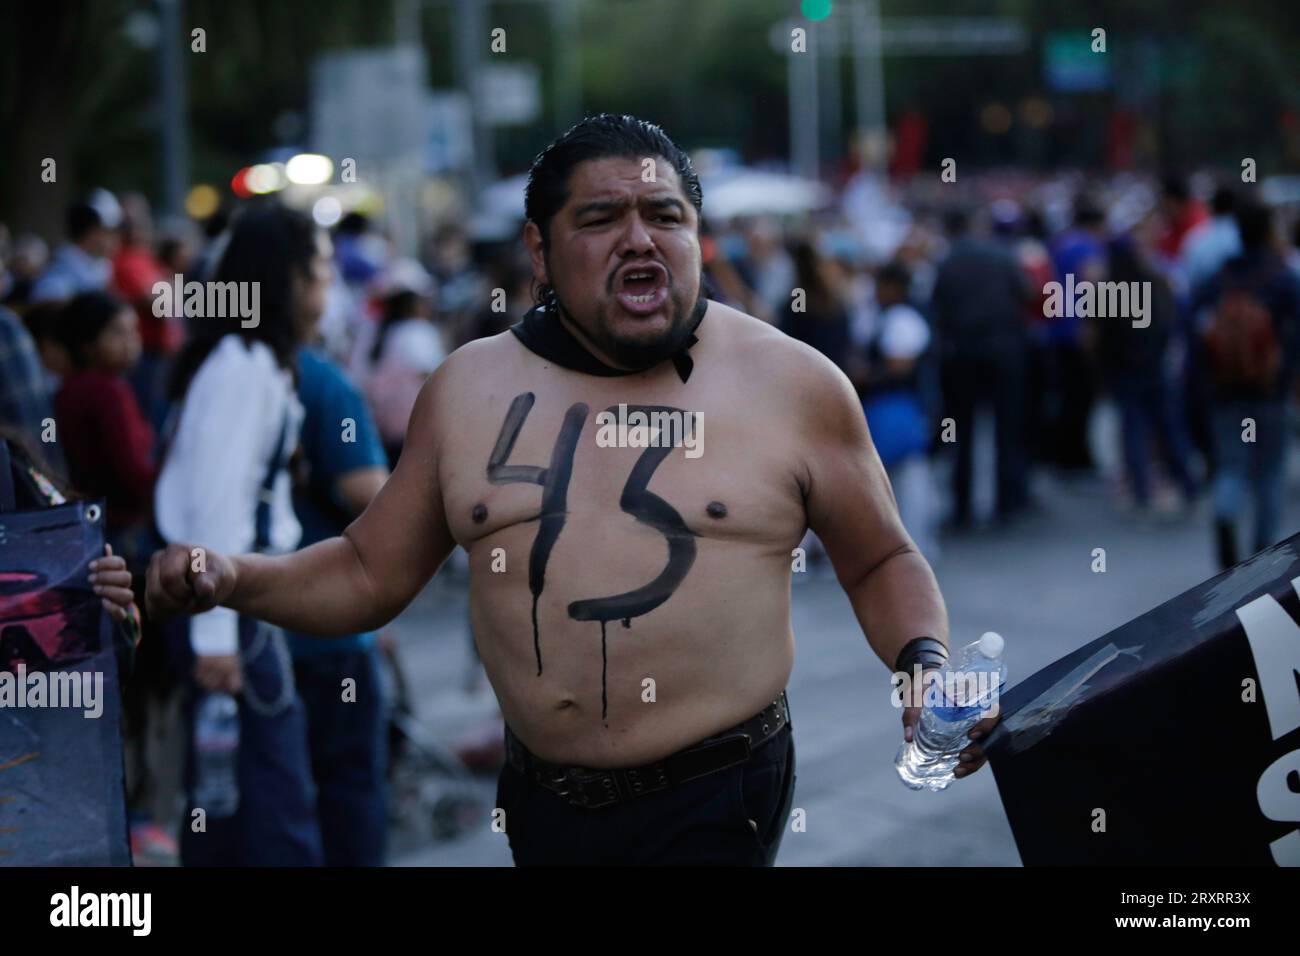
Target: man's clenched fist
x,y
185,579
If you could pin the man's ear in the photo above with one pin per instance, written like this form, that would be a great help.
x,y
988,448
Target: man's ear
x,y
536,253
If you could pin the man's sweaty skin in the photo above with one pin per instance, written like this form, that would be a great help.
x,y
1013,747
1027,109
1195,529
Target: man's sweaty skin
x,y
787,447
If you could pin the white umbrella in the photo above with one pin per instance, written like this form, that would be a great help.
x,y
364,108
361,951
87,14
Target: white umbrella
x,y
752,193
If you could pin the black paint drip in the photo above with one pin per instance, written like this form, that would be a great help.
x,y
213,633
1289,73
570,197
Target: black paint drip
x,y
555,487
637,500
604,675
537,641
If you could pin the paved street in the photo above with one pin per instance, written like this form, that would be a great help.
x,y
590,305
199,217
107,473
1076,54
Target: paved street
x,y
1033,583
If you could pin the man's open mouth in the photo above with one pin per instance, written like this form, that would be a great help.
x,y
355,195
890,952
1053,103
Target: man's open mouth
x,y
642,289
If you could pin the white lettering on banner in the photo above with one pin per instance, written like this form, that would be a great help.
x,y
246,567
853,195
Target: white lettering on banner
x,y
1274,640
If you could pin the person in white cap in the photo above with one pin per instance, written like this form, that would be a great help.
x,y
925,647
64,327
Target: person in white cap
x,y
407,349
84,263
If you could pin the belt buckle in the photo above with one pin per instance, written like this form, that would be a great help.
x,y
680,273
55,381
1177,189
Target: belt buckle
x,y
746,742
580,793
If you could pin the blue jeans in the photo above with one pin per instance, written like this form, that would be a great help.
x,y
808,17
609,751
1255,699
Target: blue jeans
x,y
1147,407
1255,468
349,753
275,824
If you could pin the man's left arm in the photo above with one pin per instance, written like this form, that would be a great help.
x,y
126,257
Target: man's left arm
x,y
852,509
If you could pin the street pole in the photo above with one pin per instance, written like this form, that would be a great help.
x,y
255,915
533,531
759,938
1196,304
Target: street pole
x,y
471,29
869,81
567,105
801,73
171,94
832,110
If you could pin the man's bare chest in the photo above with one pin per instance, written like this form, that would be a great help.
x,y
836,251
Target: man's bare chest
x,y
586,463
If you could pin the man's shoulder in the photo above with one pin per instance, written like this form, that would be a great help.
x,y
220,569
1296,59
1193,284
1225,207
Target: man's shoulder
x,y
762,351
475,357
468,371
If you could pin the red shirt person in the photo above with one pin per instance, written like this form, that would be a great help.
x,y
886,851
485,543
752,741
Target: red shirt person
x,y
107,441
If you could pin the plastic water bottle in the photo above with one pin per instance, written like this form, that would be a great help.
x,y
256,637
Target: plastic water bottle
x,y
216,755
928,760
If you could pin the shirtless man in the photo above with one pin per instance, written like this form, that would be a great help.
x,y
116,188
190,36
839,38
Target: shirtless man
x,y
631,604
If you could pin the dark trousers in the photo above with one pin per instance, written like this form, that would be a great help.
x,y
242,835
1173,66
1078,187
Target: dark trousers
x,y
275,824
349,753
1254,469
1069,379
1148,409
733,817
997,378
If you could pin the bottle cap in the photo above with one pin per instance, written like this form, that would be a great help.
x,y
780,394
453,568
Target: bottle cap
x,y
991,644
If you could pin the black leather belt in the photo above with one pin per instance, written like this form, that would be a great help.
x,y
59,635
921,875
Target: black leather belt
x,y
591,788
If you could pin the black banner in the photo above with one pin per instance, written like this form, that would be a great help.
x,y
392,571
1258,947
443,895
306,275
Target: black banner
x,y
1172,740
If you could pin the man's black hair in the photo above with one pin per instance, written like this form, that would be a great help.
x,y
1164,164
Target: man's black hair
x,y
600,137
82,218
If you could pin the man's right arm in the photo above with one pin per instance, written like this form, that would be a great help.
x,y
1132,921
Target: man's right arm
x,y
356,582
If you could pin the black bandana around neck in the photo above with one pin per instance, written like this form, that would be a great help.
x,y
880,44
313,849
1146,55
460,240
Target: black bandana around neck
x,y
542,332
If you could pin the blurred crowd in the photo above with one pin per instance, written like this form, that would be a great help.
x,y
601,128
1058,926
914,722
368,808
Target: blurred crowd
x,y
953,324
274,436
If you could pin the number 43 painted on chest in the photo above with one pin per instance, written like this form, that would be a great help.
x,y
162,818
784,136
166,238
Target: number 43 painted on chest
x,y
636,500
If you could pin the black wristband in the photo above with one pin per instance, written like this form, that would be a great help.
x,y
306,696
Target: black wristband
x,y
927,651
